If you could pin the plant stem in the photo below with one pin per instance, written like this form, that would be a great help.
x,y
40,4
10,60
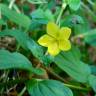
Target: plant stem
x,y
61,12
24,89
22,92
49,70
90,2
66,82
88,11
16,8
11,4
76,87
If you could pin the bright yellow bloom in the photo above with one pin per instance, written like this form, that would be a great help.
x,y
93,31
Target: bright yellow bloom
x,y
56,39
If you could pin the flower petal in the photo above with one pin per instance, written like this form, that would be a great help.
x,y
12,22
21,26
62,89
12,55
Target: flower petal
x,y
45,40
64,33
52,29
64,45
53,49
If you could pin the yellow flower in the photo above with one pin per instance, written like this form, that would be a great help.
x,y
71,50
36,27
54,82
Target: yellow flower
x,y
56,39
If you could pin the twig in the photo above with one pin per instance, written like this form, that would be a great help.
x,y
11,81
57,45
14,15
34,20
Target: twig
x,y
61,12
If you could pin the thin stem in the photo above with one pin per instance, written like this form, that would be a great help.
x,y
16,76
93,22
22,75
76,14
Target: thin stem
x,y
39,2
24,89
89,11
11,4
49,70
68,85
77,87
0,18
0,14
18,46
61,12
90,2
22,92
16,8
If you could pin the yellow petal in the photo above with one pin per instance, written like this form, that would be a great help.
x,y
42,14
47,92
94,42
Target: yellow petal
x,y
64,45
52,29
64,33
45,40
53,49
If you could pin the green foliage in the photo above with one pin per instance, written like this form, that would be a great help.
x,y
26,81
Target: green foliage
x,y
92,82
28,43
15,17
93,69
42,16
61,75
90,37
46,87
73,66
38,52
73,4
16,60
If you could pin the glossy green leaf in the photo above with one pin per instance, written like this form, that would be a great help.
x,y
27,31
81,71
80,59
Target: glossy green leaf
x,y
47,88
71,64
28,44
18,61
18,18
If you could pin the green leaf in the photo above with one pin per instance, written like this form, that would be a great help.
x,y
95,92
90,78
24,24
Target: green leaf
x,y
16,60
41,16
28,44
74,4
18,18
71,64
72,20
92,82
2,22
51,4
90,37
47,88
93,69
